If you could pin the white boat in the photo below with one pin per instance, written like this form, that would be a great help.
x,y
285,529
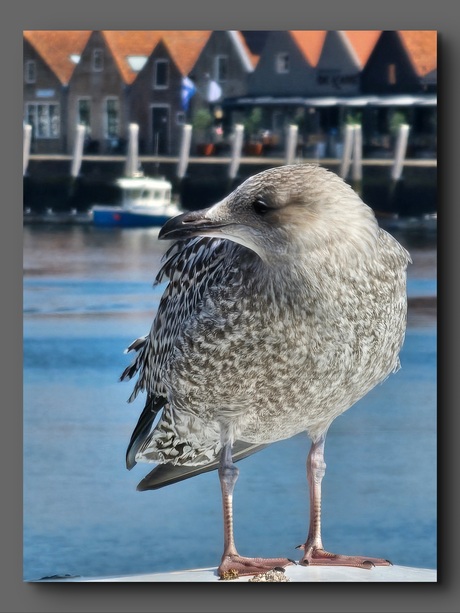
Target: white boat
x,y
145,201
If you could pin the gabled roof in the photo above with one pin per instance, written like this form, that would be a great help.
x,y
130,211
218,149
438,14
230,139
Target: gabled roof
x,y
250,54
421,46
255,40
56,48
124,44
183,45
362,42
310,43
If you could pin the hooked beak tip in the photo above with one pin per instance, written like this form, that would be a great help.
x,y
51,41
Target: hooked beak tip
x,y
186,225
176,227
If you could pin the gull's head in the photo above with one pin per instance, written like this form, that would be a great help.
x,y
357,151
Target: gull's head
x,y
290,211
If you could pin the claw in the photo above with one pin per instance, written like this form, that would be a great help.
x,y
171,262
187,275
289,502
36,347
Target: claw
x,y
320,557
234,565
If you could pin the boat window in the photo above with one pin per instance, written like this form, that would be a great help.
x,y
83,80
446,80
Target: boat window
x,y
146,193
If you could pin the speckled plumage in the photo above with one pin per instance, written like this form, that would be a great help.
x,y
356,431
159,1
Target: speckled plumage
x,y
286,304
258,341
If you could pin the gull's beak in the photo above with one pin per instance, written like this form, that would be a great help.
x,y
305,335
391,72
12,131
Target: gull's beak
x,y
194,223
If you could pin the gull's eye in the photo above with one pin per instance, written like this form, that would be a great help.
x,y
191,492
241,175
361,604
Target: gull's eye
x,y
260,207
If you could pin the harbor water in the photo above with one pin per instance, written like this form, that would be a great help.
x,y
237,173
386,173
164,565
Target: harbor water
x,y
87,294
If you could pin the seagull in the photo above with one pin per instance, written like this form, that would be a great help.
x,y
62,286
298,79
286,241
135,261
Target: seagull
x,y
285,304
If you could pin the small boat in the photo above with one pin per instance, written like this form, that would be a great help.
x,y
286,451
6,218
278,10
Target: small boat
x,y
145,201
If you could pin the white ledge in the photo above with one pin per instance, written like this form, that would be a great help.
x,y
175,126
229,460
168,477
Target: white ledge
x,y
315,574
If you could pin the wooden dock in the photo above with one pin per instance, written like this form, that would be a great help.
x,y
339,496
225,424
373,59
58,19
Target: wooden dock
x,y
351,161
255,160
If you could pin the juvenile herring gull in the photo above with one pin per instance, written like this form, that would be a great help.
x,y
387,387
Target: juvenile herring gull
x,y
286,304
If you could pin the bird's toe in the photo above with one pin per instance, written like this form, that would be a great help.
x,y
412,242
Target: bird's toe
x,y
234,566
320,557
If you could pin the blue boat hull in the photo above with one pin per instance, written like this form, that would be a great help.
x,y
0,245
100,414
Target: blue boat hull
x,y
116,217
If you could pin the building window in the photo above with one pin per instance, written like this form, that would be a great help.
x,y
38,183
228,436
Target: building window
x,y
84,114
392,74
282,63
30,71
161,79
112,118
44,119
221,68
98,60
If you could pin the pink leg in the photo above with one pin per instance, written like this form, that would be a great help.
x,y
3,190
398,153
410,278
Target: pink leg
x,y
314,553
231,561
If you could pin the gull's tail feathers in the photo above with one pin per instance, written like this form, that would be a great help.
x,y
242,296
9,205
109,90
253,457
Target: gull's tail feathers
x,y
167,474
153,405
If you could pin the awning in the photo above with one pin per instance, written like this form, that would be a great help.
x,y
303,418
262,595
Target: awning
x,y
325,101
406,101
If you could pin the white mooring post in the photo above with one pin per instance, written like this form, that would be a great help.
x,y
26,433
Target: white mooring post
x,y
291,143
347,150
357,164
77,151
400,152
132,157
237,146
184,154
27,139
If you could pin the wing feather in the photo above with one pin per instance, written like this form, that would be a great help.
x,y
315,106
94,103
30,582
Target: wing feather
x,y
190,267
140,433
167,474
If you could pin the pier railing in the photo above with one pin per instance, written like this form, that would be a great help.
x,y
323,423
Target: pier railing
x,y
351,160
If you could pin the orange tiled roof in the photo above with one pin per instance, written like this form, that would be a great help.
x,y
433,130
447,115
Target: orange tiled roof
x,y
421,47
56,47
310,42
363,42
125,43
184,46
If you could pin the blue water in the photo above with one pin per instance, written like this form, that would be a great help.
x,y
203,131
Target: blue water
x,y
87,295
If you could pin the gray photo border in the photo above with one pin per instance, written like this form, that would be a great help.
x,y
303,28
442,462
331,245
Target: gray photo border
x,y
210,14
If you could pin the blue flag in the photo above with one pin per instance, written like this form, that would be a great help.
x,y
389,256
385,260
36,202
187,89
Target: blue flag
x,y
187,91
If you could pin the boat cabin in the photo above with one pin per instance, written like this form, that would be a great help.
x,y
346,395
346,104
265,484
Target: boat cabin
x,y
144,192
